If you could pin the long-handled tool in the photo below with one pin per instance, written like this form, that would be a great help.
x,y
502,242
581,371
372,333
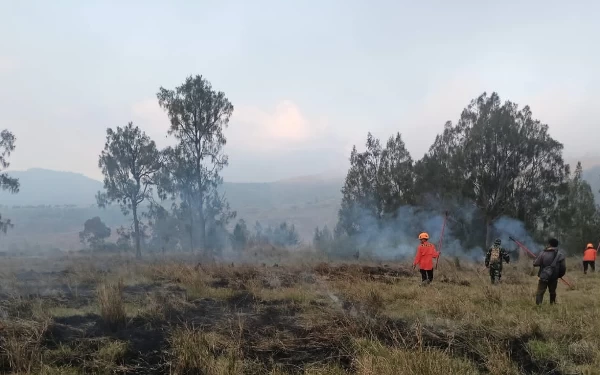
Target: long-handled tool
x,y
522,246
441,240
533,256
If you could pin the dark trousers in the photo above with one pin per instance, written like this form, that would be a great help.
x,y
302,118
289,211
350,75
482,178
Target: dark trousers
x,y
590,263
495,274
426,275
542,285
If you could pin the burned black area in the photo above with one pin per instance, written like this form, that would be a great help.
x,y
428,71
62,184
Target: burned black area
x,y
219,283
449,280
274,335
242,299
273,332
521,355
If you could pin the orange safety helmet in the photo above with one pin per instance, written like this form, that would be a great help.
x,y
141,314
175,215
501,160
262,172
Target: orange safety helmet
x,y
590,246
423,236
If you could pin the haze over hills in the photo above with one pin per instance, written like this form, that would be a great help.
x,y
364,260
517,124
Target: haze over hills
x,y
306,202
48,187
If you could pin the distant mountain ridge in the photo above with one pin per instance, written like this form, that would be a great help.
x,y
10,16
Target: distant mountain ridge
x,y
49,187
306,202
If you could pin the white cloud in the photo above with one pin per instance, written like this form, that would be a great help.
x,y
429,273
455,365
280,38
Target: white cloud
x,y
251,128
283,126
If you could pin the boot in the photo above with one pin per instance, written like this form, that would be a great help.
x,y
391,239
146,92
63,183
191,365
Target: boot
x,y
539,298
552,299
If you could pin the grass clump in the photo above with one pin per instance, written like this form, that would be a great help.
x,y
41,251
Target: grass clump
x,y
583,352
62,370
374,358
197,352
113,352
20,345
112,305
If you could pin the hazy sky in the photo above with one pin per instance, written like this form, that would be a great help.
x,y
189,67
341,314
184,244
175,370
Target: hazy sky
x,y
308,78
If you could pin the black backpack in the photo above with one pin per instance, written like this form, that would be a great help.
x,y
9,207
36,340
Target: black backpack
x,y
550,272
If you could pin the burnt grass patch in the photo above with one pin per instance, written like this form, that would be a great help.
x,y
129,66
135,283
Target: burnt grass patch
x,y
275,333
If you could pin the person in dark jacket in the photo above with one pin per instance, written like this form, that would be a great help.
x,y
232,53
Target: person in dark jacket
x,y
543,260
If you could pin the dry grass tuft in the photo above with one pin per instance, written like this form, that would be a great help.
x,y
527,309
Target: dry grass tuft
x,y
312,318
583,352
196,352
21,345
112,305
113,352
493,295
374,358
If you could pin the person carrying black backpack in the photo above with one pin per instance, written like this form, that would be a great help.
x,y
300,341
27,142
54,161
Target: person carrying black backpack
x,y
552,267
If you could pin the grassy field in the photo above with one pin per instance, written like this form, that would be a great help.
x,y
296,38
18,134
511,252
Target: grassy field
x,y
115,315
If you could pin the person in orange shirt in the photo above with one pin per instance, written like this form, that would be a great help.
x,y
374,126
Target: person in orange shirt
x,y
589,258
424,258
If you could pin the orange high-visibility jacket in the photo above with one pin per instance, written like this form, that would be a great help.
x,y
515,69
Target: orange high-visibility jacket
x,y
589,255
424,256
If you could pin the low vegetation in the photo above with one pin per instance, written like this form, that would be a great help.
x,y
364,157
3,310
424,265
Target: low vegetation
x,y
113,315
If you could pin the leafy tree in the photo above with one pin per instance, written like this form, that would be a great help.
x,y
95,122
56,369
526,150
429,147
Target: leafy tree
x,y
259,237
323,239
166,228
578,216
380,180
501,159
94,233
179,181
241,235
218,214
198,115
130,163
7,145
124,240
283,235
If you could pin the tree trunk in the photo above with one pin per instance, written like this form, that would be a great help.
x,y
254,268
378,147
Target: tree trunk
x,y
488,232
202,223
136,226
191,231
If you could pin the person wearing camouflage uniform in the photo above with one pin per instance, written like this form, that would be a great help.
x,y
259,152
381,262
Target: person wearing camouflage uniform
x,y
494,258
